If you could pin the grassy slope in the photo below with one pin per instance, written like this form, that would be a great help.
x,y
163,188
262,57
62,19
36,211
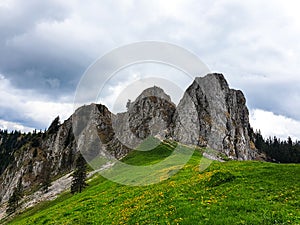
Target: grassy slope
x,y
225,193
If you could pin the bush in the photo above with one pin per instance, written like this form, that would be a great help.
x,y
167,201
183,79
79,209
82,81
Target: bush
x,y
219,178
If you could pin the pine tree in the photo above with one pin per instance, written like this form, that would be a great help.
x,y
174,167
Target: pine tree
x,y
79,175
70,159
46,177
20,189
15,198
12,203
276,150
128,104
53,128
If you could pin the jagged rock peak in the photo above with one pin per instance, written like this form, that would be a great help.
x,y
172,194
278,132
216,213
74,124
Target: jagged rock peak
x,y
154,91
150,114
218,76
221,114
214,77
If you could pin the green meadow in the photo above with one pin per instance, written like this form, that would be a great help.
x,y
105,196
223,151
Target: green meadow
x,y
232,192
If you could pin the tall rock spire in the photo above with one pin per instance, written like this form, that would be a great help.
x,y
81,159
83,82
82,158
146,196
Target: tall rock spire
x,y
215,116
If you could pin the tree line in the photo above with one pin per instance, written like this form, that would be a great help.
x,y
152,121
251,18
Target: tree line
x,y
276,150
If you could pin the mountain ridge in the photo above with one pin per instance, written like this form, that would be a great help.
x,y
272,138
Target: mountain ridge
x,y
210,114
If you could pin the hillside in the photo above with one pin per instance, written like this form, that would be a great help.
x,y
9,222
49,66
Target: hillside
x,y
209,114
233,192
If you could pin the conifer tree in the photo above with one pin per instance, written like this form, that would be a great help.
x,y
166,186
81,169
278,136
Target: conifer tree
x,y
54,126
15,198
12,203
46,177
79,175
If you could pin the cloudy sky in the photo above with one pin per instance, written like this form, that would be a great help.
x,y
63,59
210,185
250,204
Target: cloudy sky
x,y
46,46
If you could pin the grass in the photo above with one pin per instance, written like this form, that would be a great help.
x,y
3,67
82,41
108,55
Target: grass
x,y
233,192
155,155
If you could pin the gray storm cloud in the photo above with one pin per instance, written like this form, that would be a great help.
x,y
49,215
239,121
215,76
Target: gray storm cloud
x,y
47,45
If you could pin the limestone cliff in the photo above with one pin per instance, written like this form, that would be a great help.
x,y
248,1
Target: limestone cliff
x,y
211,114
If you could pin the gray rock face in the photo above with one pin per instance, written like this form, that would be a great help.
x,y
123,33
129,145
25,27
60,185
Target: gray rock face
x,y
216,116
95,134
151,114
30,161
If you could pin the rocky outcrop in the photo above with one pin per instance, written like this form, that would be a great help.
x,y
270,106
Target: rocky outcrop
x,y
149,115
95,133
211,114
101,133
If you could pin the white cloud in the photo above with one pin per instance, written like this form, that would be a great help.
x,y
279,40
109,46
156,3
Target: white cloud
x,y
28,107
274,125
11,126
